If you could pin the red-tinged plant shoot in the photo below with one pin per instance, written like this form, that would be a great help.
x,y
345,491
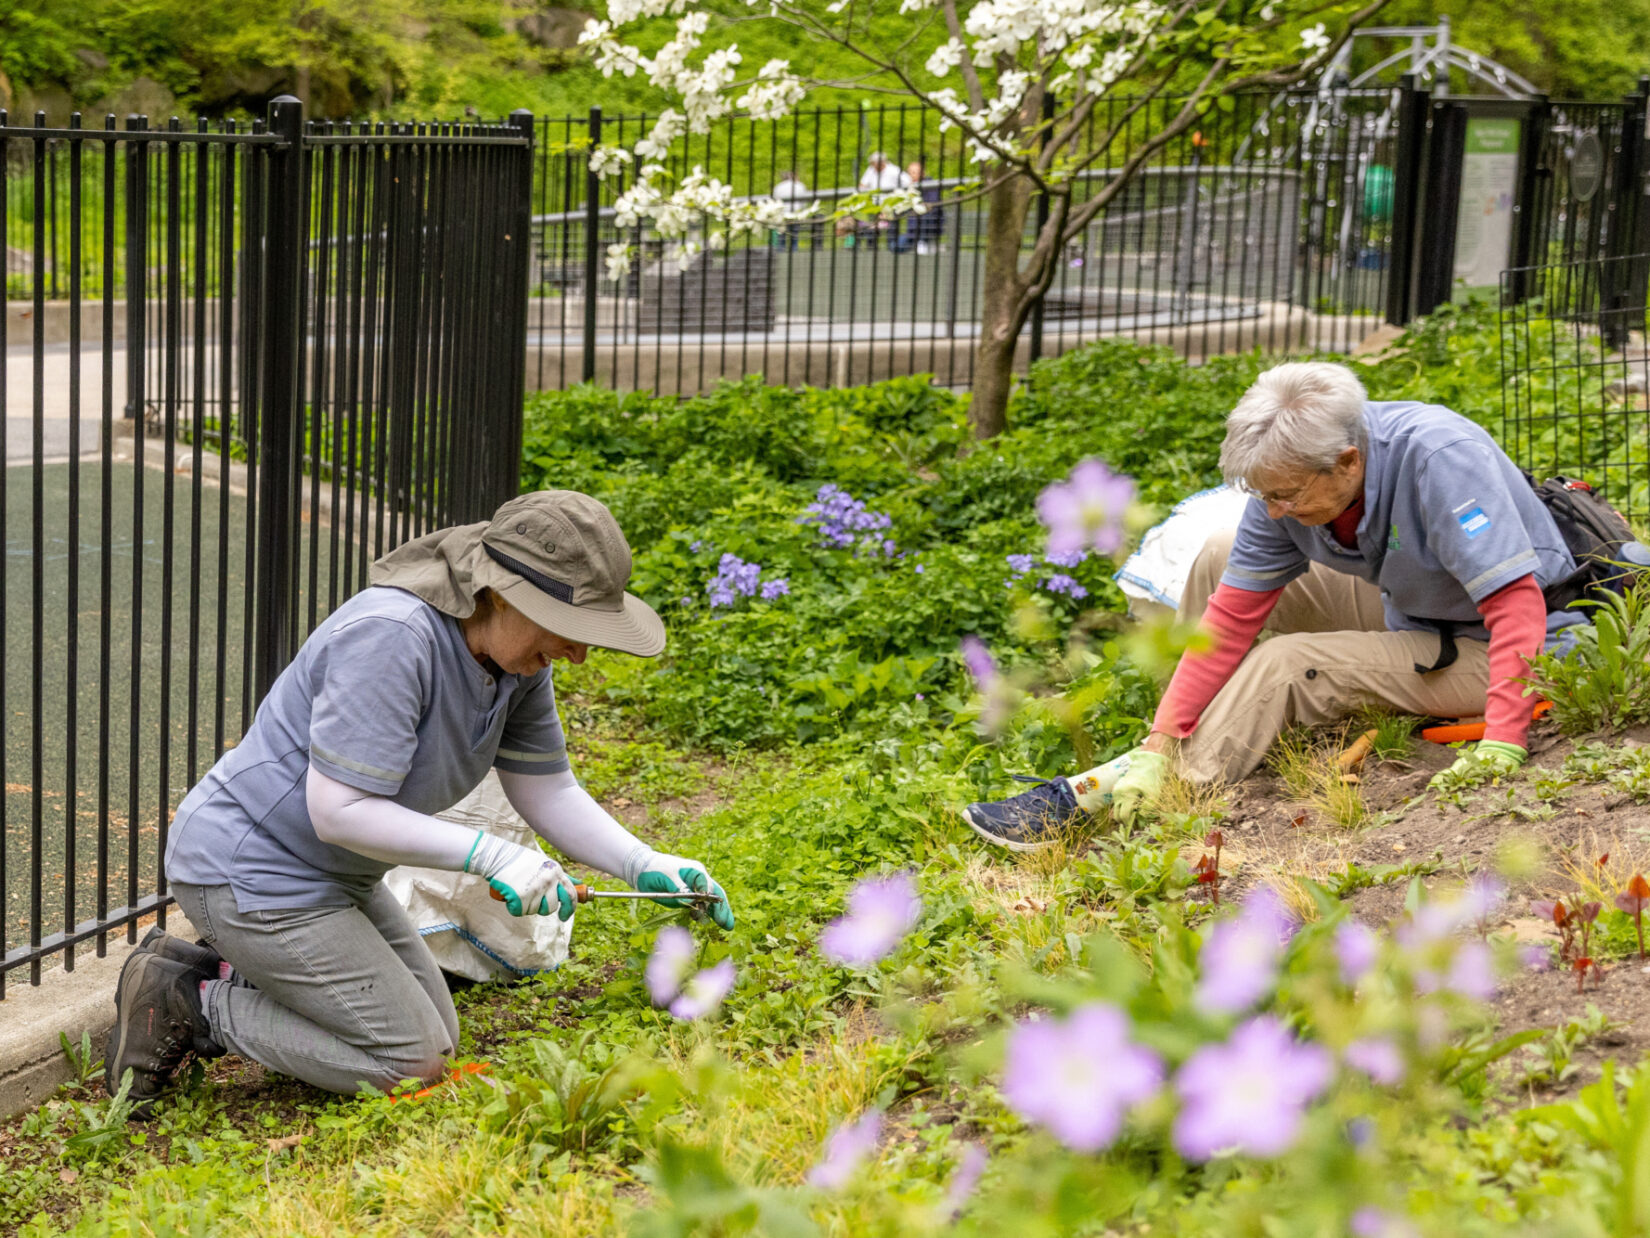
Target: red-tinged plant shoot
x,y
1632,900
1207,869
1581,965
1556,911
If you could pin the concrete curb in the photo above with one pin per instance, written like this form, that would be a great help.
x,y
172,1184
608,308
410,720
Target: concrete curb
x,y
32,1064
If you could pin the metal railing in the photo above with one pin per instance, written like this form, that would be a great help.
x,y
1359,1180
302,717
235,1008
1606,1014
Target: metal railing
x,y
322,328
1575,375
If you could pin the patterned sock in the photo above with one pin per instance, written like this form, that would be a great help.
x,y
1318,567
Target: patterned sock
x,y
1093,789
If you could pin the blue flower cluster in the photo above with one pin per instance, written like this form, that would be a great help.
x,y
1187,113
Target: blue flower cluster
x,y
735,579
1055,582
844,521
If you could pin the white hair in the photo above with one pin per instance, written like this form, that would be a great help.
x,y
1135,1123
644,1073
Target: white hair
x,y
1299,416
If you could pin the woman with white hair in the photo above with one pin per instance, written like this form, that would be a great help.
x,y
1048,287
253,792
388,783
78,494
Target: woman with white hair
x,y
1395,554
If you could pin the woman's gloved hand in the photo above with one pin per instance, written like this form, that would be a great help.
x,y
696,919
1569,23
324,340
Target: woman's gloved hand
x,y
524,877
1138,789
662,874
1490,758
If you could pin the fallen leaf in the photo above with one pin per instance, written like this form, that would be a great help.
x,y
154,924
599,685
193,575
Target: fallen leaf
x,y
284,1142
67,1176
1300,820
1400,847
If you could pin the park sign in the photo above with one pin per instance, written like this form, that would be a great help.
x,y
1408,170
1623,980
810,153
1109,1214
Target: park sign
x,y
1489,187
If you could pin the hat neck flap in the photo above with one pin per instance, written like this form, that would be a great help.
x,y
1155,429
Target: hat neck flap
x,y
438,567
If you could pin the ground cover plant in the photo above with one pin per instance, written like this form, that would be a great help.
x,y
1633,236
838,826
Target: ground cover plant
x,y
1375,1033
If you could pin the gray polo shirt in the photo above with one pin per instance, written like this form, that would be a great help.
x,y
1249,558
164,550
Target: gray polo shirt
x,y
384,696
1448,519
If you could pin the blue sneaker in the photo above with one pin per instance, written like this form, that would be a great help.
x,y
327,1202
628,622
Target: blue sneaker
x,y
1030,821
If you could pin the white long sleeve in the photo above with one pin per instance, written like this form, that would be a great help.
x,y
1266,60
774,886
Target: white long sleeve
x,y
381,829
563,814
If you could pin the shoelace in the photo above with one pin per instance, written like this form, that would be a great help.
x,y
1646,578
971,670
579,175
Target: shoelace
x,y
1032,778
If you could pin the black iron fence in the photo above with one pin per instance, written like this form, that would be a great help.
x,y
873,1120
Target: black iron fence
x,y
1286,221
1575,375
1267,225
321,328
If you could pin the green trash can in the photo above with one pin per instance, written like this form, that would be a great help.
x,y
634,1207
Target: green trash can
x,y
1378,194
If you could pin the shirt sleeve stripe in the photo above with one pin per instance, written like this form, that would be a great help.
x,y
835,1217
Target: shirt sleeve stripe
x,y
358,767
512,754
1489,574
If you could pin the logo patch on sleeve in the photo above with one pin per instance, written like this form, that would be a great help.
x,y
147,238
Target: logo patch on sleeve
x,y
1473,522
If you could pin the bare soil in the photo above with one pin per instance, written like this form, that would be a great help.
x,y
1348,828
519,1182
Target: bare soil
x,y
1272,837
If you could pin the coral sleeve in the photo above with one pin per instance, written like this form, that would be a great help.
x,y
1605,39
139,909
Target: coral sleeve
x,y
1516,616
1234,617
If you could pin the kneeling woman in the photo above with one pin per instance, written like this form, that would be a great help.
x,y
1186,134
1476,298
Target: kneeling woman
x,y
394,709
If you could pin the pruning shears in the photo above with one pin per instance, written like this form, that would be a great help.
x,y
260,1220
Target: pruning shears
x,y
586,894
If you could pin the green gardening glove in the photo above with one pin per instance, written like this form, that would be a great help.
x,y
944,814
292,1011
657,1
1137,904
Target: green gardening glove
x,y
1491,758
1139,788
665,874
524,879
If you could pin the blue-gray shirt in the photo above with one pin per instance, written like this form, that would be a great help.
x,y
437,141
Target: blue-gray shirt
x,y
384,696
1448,519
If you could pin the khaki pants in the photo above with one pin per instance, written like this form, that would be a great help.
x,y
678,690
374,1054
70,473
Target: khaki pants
x,y
1329,654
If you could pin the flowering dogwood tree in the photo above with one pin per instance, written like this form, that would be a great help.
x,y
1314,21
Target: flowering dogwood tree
x,y
1102,63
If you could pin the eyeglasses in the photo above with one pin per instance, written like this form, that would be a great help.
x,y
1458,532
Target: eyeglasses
x,y
1290,498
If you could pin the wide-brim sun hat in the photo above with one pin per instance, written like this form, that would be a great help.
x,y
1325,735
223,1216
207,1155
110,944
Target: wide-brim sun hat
x,y
557,556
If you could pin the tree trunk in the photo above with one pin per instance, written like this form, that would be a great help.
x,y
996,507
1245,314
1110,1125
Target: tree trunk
x,y
1001,312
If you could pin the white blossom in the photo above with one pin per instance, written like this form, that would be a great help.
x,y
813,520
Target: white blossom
x,y
1314,38
1268,12
618,261
947,56
670,126
607,160
776,91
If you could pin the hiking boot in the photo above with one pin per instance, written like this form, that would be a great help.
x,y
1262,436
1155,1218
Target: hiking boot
x,y
197,956
202,960
158,1023
1030,821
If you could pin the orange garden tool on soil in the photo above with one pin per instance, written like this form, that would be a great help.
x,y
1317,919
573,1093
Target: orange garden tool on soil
x,y
1463,730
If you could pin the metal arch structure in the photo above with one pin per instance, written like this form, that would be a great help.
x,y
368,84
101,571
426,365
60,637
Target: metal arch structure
x,y
1430,55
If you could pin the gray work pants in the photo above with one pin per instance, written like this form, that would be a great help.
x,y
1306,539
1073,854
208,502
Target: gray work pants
x,y
344,995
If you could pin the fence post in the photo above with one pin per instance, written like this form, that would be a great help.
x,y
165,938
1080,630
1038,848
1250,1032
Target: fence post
x,y
592,248
1037,309
1527,215
1630,227
137,267
522,230
1406,197
278,450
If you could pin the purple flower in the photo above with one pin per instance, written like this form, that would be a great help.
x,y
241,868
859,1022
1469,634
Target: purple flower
x,y
843,520
1021,564
775,588
848,1145
965,1178
881,911
1070,559
1250,1094
1536,957
1472,972
704,992
1078,1076
1086,510
1240,961
1370,1222
919,569
1378,1057
668,982
981,667
1356,946
1061,583
673,952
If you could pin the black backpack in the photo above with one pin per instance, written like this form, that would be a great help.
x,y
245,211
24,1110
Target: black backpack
x,y
1595,533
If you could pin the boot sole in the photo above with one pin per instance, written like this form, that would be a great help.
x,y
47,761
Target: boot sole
x,y
138,962
998,841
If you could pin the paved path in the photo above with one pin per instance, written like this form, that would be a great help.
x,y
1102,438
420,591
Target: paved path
x,y
55,372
